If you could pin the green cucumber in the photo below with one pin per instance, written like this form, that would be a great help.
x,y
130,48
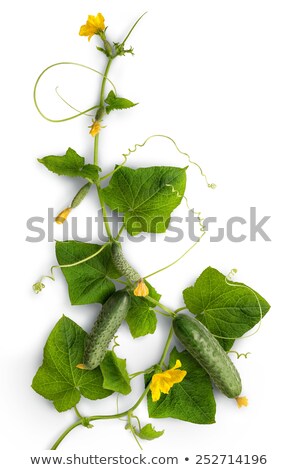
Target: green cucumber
x,y
81,194
113,312
202,345
122,264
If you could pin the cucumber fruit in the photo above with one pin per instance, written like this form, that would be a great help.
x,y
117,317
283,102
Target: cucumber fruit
x,y
202,345
122,264
113,312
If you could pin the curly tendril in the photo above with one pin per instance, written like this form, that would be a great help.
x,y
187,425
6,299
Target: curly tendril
x,y
38,286
137,146
68,104
239,354
79,113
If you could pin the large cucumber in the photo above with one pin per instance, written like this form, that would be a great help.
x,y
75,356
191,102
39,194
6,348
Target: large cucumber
x,y
113,312
202,345
122,264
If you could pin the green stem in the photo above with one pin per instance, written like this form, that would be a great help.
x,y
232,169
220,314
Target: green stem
x,y
131,427
65,433
105,77
96,150
77,412
142,372
123,413
120,232
180,309
166,347
163,307
104,211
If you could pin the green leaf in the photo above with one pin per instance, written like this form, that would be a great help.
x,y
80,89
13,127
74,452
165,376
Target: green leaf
x,y
146,196
141,317
190,400
115,374
58,379
90,173
88,282
148,433
71,164
226,310
115,102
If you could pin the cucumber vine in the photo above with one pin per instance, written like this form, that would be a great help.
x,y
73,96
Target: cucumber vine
x,y
217,309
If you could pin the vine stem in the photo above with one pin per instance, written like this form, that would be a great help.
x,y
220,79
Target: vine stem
x,y
123,413
65,433
96,151
163,307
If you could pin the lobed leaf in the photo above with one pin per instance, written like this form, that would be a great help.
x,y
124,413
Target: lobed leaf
x,y
58,379
227,310
146,196
71,164
89,282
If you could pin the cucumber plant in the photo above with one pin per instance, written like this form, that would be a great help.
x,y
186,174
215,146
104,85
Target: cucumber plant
x,y
77,364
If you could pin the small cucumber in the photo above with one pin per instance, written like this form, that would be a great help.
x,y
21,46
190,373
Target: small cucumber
x,y
81,194
113,312
122,264
202,345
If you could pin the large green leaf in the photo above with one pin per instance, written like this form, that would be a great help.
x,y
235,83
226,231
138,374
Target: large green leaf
x,y
116,102
70,164
141,317
115,373
146,196
190,400
88,282
58,379
227,309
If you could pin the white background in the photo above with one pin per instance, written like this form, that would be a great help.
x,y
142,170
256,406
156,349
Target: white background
x,y
221,77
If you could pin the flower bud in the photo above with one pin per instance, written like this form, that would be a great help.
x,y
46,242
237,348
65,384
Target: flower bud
x,y
95,128
141,289
242,401
62,216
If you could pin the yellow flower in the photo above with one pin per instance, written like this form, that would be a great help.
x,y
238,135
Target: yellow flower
x,y
95,128
242,401
62,216
163,381
94,25
141,289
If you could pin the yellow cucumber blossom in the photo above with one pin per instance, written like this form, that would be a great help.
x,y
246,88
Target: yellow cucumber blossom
x,y
95,128
94,25
242,401
163,381
141,289
63,215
